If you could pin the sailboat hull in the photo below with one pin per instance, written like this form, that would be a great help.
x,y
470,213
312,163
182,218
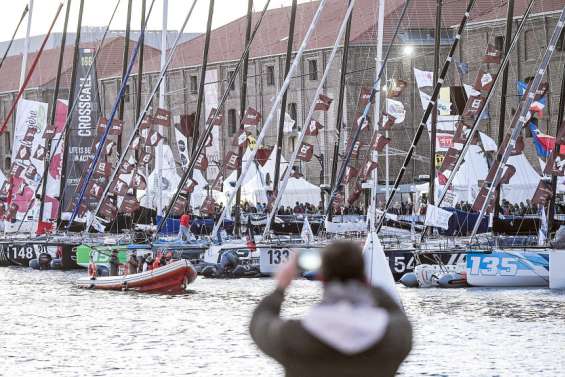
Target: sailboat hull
x,y
21,253
508,268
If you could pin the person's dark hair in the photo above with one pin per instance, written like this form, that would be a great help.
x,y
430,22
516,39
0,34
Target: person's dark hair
x,y
343,261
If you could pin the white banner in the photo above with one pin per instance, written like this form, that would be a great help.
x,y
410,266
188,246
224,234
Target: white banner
x,y
182,148
396,109
423,78
442,106
211,101
28,153
438,217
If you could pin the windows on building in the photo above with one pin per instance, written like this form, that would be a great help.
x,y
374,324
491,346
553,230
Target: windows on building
x,y
499,43
529,45
193,84
230,75
313,69
232,122
292,110
270,75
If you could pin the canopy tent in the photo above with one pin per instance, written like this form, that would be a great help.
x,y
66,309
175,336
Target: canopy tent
x,y
524,182
297,189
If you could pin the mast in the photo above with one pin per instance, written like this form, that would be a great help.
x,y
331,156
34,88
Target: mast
x,y
14,35
503,94
433,133
200,145
377,108
162,91
140,64
54,110
427,113
243,102
124,69
69,115
521,117
276,103
23,70
365,114
288,59
319,89
199,102
340,104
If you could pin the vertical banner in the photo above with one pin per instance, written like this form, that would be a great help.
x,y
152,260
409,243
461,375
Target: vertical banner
x,y
211,101
83,132
28,154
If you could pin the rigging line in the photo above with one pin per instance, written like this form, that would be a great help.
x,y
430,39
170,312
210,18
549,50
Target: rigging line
x,y
31,70
427,112
26,9
70,112
108,126
521,117
144,112
478,118
374,91
275,104
344,25
208,131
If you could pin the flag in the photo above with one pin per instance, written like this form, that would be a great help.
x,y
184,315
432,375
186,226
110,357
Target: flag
x,y
543,193
350,173
95,190
544,143
356,149
201,162
323,103
442,106
368,169
162,117
396,87
145,158
507,175
251,117
127,166
139,181
186,124
129,204
484,81
153,138
435,216
119,188
555,165
146,123
40,153
492,55
365,96
441,178
388,120
479,201
218,184
189,186
289,123
313,128
366,122
306,152
539,102
423,78
135,143
473,106
396,109
215,121
24,153
379,142
462,68
116,129
231,161
449,160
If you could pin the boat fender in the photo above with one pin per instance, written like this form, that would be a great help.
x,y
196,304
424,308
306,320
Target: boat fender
x,y
409,280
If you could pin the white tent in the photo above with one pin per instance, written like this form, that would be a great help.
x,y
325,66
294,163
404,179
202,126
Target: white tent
x,y
297,189
524,182
253,188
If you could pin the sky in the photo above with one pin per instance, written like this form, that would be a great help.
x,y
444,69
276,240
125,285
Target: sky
x,y
98,12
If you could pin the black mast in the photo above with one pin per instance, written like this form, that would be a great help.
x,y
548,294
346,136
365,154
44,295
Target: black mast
x,y
196,125
437,38
243,99
339,121
71,99
26,9
288,59
503,94
54,110
124,70
560,116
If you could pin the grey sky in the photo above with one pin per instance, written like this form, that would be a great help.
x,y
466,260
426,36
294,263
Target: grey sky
x,y
97,13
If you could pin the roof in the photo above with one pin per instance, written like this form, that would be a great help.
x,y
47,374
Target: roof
x,y
498,11
109,64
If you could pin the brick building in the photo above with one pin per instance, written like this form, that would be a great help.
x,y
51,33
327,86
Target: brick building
x,y
267,64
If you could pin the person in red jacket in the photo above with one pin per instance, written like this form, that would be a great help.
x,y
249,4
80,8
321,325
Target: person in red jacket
x,y
184,230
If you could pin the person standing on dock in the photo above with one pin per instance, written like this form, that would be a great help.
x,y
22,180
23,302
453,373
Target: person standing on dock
x,y
356,330
184,229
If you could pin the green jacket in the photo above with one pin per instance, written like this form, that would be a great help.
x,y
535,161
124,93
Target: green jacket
x,y
304,355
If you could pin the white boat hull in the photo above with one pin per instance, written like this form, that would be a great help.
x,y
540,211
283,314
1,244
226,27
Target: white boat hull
x,y
508,268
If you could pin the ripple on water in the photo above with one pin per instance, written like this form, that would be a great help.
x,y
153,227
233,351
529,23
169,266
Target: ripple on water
x,y
50,328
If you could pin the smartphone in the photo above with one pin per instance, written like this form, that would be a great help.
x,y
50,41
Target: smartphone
x,y
309,260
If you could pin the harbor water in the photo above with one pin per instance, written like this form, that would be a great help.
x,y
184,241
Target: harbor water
x,y
51,328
